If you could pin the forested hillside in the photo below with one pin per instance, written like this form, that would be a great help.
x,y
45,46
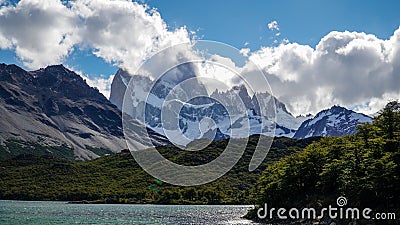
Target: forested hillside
x,y
118,178
363,167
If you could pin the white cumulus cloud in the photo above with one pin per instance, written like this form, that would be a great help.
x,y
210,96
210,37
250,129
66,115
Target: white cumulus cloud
x,y
122,32
356,70
273,25
103,84
244,51
40,32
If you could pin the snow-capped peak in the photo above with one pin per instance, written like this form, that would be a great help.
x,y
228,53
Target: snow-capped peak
x,y
336,121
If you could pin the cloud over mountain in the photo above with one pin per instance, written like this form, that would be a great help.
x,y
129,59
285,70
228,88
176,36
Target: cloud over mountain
x,y
44,32
353,69
40,32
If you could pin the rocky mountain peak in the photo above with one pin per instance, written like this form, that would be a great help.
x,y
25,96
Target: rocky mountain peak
x,y
14,74
63,82
55,106
335,121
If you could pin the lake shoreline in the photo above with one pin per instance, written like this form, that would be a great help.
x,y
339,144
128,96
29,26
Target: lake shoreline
x,y
94,202
15,212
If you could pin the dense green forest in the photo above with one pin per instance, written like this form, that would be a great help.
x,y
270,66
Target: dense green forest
x,y
118,179
363,167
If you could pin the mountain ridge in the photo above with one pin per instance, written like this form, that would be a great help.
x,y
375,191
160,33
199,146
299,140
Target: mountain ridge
x,y
335,121
142,89
55,106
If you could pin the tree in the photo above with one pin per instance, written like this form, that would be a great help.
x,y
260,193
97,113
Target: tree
x,y
367,131
388,121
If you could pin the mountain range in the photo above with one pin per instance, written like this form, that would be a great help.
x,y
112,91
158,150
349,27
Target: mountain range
x,y
244,110
336,121
54,106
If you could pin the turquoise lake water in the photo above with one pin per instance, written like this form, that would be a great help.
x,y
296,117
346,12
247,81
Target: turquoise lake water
x,y
40,212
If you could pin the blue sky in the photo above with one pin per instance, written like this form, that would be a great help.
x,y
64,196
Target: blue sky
x,y
36,33
306,22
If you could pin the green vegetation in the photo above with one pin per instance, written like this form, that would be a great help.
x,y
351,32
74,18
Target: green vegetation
x,y
99,151
118,179
363,167
13,147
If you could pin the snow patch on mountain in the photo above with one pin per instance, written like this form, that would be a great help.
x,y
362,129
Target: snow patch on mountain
x,y
336,121
235,113
246,112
